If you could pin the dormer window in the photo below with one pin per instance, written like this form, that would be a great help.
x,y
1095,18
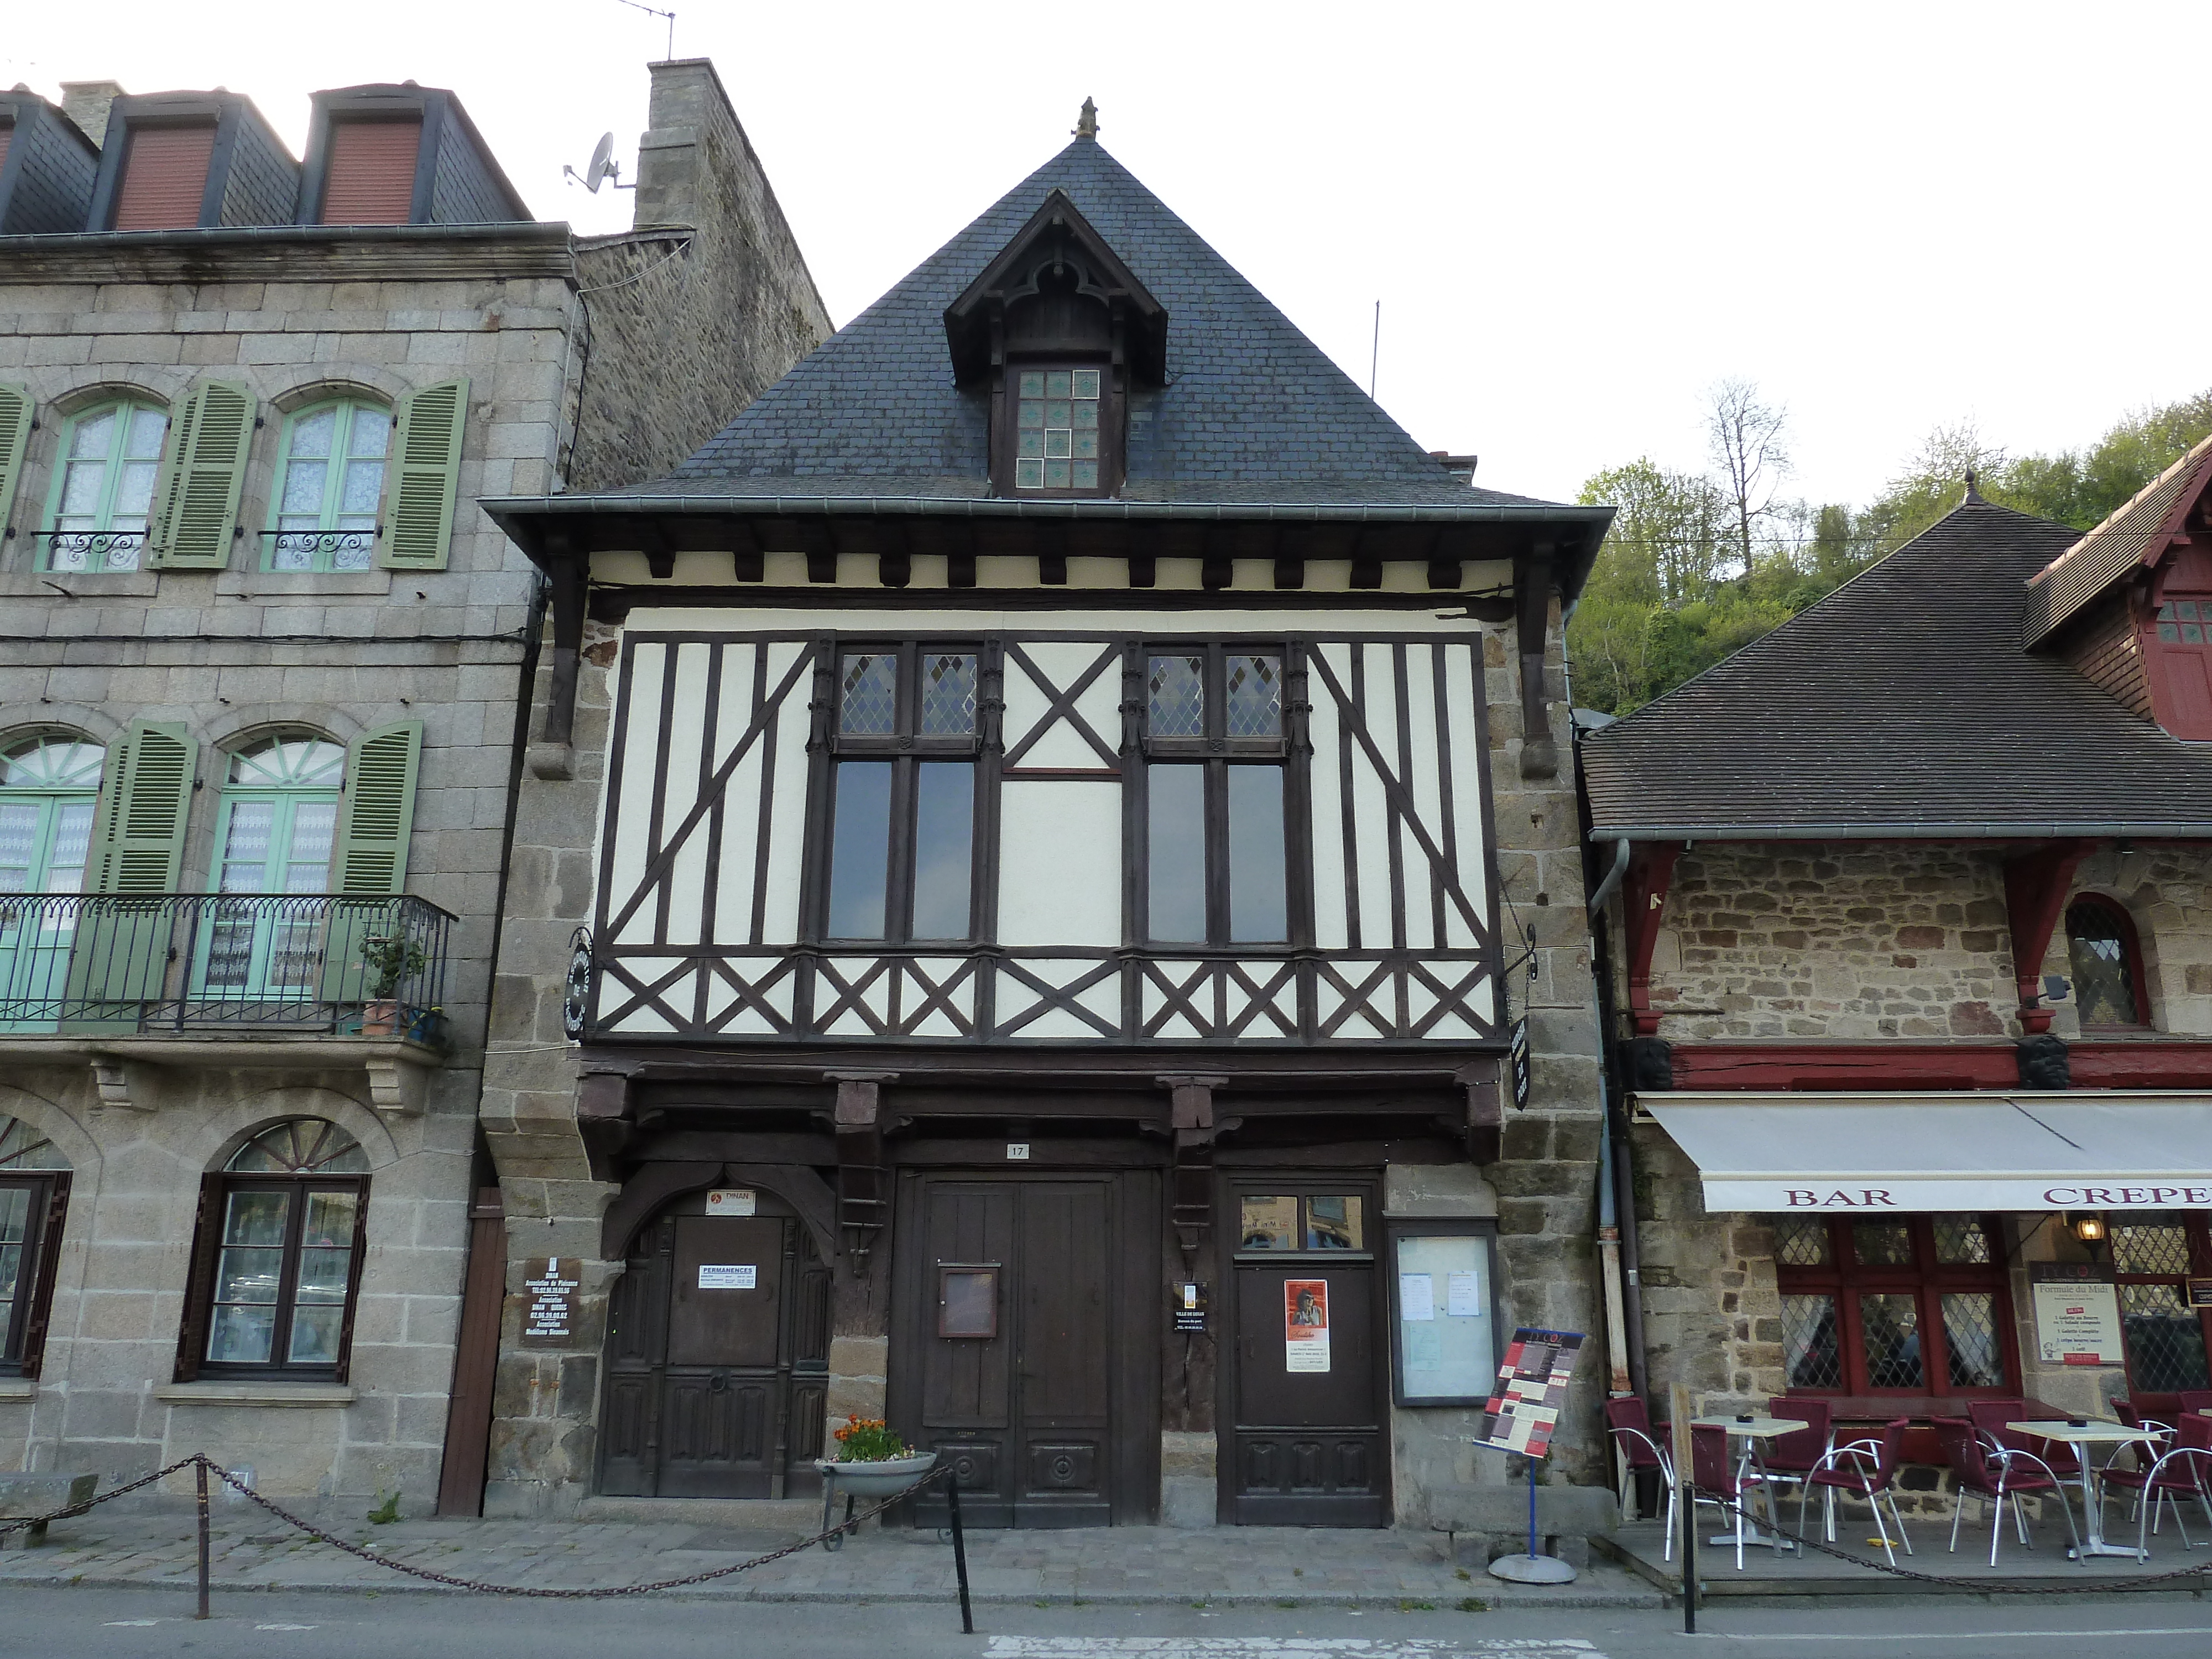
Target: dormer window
x,y
1056,428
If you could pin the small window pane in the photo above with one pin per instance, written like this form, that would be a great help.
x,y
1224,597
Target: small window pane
x,y
312,433
2164,1339
1882,1243
1056,473
2104,976
2150,1247
1268,1223
143,441
1962,1238
1058,383
944,844
1259,912
1801,1241
1086,474
948,695
1333,1223
241,1333
1970,1335
1254,707
1032,383
1086,383
869,706
1029,475
859,849
1057,444
1889,1330
1178,697
1177,866
95,436
968,1302
1087,418
1809,1348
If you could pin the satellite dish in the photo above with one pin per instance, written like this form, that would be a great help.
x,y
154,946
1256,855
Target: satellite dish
x,y
601,167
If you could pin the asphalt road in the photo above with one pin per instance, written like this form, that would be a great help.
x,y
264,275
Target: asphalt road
x,y
64,1624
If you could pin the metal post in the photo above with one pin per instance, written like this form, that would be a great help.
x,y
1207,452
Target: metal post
x,y
1685,1502
959,1552
199,1471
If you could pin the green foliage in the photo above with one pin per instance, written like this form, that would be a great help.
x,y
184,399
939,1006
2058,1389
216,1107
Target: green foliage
x,y
1671,593
388,1511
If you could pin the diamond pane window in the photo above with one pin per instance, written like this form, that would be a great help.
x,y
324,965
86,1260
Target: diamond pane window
x,y
1254,702
1970,1336
2158,1248
2100,949
1962,1238
869,705
2165,1339
1178,697
1809,1345
1801,1241
1882,1243
1889,1330
948,695
1056,428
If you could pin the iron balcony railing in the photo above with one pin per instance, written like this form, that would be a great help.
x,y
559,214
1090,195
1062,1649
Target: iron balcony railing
x,y
303,551
153,963
93,552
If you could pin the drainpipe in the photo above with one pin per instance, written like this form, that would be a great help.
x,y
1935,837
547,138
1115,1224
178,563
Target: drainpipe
x,y
1608,1251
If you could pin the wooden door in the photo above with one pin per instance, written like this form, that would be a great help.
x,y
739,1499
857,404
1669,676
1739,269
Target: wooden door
x,y
1308,1444
1014,1343
717,1357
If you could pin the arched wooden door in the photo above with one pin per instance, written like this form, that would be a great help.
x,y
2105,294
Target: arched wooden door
x,y
718,1355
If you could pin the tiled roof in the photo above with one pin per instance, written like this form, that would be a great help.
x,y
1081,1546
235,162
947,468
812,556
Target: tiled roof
x,y
2135,535
1253,411
1902,705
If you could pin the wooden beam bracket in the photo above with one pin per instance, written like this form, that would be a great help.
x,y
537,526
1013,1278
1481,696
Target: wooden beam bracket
x,y
863,1182
1643,903
2036,885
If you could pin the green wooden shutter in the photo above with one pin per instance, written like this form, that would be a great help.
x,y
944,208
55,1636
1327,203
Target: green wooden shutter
x,y
203,470
145,800
15,434
418,521
377,812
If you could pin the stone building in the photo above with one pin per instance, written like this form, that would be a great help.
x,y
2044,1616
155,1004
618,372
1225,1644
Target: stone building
x,y
1036,838
258,729
1911,943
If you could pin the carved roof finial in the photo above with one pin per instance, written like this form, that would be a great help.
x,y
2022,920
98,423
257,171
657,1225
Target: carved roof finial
x,y
1086,124
1973,496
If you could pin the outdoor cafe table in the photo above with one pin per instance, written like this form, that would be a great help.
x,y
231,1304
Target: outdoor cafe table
x,y
2099,1431
1758,1430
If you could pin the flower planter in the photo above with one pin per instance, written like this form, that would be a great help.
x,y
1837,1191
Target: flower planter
x,y
380,1017
876,1479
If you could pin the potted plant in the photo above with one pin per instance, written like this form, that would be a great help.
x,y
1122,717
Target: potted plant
x,y
389,958
871,1462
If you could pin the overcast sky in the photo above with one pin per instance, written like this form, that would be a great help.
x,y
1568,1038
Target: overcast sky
x,y
1576,217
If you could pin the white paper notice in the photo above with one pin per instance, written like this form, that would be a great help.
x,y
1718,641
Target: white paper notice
x,y
1417,1296
719,1277
1463,1296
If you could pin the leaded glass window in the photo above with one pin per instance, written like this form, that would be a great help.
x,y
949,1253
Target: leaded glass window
x,y
1902,1304
329,483
1056,428
1801,1241
1216,801
2154,1256
902,787
104,488
1811,1352
2184,621
2100,948
287,1252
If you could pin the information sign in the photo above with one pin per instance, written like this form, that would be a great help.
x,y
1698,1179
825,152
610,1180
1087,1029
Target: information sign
x,y
2077,1314
1531,1390
548,1318
731,1200
723,1277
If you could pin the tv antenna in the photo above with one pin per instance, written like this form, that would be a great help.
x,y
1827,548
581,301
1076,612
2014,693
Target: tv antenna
x,y
601,167
655,11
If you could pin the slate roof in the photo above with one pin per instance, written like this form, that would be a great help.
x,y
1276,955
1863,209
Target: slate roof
x,y
2135,535
1253,413
1901,706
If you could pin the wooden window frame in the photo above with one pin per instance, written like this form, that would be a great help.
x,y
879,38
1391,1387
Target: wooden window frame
x,y
1006,440
2196,1228
333,487
1217,751
199,1323
22,1336
1926,1279
906,748
123,408
2131,959
50,799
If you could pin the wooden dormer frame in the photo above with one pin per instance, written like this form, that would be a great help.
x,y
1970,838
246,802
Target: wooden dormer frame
x,y
974,322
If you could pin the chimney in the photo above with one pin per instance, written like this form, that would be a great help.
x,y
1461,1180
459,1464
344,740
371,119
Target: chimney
x,y
86,102
689,111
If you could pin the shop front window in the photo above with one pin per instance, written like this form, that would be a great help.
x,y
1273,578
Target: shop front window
x,y
2154,1257
1913,1305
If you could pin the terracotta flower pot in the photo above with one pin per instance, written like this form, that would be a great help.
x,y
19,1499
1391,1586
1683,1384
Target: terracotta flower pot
x,y
380,1017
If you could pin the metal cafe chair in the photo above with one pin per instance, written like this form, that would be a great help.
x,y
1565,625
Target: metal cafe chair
x,y
1711,1469
1872,1474
2190,1455
2192,1400
1629,1423
1990,1417
1789,1458
2124,1409
1986,1469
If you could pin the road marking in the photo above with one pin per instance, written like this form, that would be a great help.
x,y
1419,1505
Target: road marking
x,y
132,1624
1966,1635
283,1627
1283,1647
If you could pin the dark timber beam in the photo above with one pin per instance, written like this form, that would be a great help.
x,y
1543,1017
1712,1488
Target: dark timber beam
x,y
1540,756
2036,885
1643,903
1191,1115
569,578
863,1197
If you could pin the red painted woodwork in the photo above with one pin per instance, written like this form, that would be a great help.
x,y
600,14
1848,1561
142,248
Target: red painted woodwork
x,y
1937,1064
371,177
165,177
1643,903
2176,641
2036,885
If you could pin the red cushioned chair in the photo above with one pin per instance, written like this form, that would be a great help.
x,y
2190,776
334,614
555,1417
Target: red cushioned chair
x,y
1791,1457
1991,1416
1996,1471
1711,1472
1867,1467
1629,1423
2179,1470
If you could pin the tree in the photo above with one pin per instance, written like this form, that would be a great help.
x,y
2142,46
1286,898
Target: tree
x,y
1749,452
1669,539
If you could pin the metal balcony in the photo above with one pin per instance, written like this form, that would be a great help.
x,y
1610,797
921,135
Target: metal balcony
x,y
193,964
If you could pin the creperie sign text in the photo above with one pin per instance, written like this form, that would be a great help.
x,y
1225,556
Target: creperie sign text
x,y
2059,1198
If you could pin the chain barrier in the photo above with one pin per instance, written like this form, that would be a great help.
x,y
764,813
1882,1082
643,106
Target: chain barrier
x,y
207,1465
1697,1495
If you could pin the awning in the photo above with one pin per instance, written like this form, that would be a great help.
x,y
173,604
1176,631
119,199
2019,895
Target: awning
x,y
2107,1149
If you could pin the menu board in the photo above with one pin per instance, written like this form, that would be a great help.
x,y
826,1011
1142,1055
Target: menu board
x,y
1531,1390
2077,1314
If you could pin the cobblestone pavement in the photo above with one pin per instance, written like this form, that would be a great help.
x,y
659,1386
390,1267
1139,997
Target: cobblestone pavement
x,y
1121,1565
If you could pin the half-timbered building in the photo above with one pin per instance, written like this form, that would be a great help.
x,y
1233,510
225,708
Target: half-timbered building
x,y
1913,963
1037,836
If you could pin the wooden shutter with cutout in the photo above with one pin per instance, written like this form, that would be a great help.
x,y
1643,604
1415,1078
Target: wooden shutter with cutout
x,y
418,521
377,812
15,434
203,470
199,1284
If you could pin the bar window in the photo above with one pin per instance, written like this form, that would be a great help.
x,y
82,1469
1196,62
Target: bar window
x,y
278,1258
901,791
1906,1305
2155,1255
1216,782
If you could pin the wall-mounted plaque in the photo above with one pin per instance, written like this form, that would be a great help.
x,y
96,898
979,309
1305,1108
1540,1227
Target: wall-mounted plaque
x,y
731,1200
549,1316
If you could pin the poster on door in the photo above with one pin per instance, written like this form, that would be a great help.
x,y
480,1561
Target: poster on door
x,y
1531,1390
1305,1325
